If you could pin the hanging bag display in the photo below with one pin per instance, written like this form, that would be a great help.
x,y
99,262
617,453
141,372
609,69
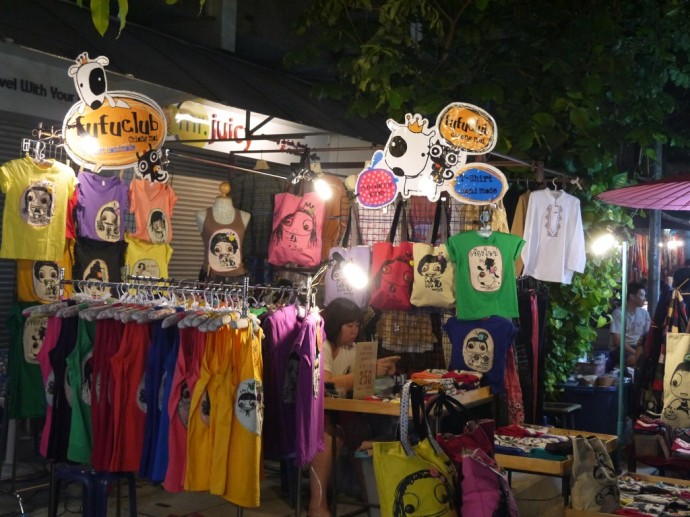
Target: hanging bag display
x,y
485,488
676,412
594,484
434,273
296,235
391,267
351,249
413,479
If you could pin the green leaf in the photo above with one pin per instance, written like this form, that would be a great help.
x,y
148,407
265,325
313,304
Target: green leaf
x,y
100,14
579,117
123,9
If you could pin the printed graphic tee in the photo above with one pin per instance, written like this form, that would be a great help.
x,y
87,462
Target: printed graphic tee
x,y
223,245
35,213
103,202
152,205
39,280
147,259
98,261
485,274
481,346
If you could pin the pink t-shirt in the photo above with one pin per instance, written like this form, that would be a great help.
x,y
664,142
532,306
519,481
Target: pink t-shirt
x,y
152,205
43,357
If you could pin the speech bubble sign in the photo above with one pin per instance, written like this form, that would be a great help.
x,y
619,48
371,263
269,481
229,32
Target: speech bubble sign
x,y
478,184
467,128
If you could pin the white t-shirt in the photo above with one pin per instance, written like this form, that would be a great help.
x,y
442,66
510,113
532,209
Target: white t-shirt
x,y
635,325
344,362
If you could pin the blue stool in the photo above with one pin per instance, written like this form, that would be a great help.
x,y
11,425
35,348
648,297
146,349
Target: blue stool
x,y
95,487
80,474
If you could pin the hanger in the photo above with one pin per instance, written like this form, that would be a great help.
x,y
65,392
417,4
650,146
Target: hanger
x,y
485,218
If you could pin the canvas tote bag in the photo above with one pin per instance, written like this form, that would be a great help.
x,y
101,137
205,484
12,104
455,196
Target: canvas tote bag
x,y
594,483
391,267
297,229
434,273
414,479
351,249
676,412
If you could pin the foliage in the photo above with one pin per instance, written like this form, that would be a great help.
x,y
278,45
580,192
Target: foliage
x,y
100,13
578,85
578,309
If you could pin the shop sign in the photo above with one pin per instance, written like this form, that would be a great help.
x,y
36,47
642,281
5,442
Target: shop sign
x,y
109,129
376,187
427,161
478,184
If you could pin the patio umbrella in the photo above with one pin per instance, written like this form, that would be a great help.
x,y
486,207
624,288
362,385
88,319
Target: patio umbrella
x,y
665,194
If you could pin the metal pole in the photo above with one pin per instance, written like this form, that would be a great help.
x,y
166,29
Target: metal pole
x,y
653,255
621,355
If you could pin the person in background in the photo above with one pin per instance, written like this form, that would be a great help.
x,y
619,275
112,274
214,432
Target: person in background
x,y
342,321
637,323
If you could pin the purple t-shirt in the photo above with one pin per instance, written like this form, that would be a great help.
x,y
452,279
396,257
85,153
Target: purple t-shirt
x,y
309,396
103,201
481,346
281,331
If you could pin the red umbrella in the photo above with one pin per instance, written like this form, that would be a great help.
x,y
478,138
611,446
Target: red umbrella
x,y
665,194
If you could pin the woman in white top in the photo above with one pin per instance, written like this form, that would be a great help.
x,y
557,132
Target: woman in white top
x,y
342,321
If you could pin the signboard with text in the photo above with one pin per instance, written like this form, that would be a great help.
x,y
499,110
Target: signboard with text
x,y
365,370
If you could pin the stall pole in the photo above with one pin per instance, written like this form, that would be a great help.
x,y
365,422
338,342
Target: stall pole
x,y
621,352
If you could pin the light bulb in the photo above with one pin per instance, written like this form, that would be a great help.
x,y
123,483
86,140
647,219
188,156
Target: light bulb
x,y
355,276
603,243
323,189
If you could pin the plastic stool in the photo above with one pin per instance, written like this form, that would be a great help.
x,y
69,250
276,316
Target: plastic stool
x,y
94,488
564,411
80,474
104,479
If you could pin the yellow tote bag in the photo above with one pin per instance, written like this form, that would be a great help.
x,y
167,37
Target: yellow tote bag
x,y
414,479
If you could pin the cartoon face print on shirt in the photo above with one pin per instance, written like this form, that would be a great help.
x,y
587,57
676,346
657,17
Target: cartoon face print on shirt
x,y
46,280
147,267
395,276
157,227
678,410
34,333
486,268
108,222
425,493
223,252
249,408
184,403
37,204
431,267
298,228
478,350
95,272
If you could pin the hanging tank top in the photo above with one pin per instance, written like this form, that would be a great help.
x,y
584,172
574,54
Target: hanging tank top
x,y
223,245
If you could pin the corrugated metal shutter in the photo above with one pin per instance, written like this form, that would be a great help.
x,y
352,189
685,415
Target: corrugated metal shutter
x,y
14,128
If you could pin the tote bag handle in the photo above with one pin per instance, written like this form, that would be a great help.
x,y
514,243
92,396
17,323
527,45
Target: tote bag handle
x,y
440,228
399,209
353,235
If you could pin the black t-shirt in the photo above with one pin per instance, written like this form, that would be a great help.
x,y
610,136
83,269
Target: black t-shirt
x,y
97,261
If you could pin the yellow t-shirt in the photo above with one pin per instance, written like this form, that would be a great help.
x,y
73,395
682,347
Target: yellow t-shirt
x,y
38,280
35,214
147,259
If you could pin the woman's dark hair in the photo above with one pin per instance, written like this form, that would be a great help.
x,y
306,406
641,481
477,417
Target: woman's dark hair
x,y
339,312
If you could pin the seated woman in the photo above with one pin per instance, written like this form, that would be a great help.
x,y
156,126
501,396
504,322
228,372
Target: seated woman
x,y
342,321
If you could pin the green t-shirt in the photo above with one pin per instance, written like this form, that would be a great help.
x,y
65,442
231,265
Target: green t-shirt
x,y
485,274
25,383
79,368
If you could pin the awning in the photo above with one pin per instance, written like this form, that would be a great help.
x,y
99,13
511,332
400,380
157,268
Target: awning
x,y
64,30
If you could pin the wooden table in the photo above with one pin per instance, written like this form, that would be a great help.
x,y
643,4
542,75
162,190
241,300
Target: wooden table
x,y
571,512
469,399
544,467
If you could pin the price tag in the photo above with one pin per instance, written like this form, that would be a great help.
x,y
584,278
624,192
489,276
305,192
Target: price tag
x,y
365,369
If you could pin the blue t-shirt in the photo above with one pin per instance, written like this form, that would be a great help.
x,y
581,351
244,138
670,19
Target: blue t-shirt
x,y
481,346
